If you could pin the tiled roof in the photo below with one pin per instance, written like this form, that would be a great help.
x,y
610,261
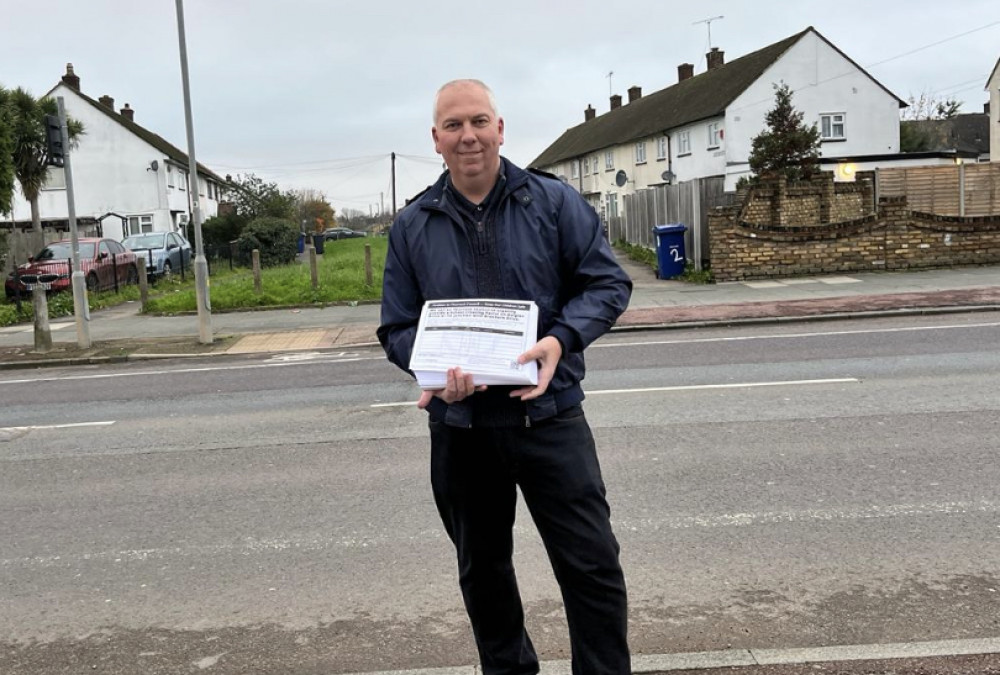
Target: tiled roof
x,y
969,132
158,142
700,97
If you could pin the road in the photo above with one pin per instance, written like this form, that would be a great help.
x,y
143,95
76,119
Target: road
x,y
783,486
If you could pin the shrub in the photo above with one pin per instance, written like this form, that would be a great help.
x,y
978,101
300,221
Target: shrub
x,y
275,238
218,231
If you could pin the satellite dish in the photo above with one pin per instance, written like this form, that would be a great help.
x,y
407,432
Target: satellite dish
x,y
154,165
668,176
621,178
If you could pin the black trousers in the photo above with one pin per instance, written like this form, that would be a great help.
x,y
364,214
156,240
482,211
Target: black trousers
x,y
475,474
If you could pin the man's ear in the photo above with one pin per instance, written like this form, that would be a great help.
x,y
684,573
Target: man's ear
x,y
500,129
434,135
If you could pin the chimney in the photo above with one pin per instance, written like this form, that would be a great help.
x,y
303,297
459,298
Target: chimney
x,y
715,58
634,93
108,101
616,101
128,113
70,78
685,71
986,108
589,113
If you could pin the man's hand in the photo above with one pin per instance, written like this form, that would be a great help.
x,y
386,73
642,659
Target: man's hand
x,y
547,352
457,387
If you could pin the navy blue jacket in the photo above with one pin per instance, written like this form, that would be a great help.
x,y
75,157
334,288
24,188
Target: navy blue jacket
x,y
552,250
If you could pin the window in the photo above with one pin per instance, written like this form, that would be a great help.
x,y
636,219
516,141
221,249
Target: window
x,y
714,135
56,179
683,143
595,165
831,126
640,152
661,147
140,224
182,180
575,168
586,166
609,161
612,202
170,176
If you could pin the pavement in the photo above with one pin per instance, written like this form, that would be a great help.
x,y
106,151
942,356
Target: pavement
x,y
123,333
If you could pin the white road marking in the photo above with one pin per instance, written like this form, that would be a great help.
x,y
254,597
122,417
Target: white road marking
x,y
686,387
744,338
59,426
252,545
175,371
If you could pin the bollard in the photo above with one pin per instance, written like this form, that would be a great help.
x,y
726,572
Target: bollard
x,y
313,268
255,257
143,282
368,264
43,334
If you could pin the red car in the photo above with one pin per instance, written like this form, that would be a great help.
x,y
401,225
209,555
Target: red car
x,y
100,259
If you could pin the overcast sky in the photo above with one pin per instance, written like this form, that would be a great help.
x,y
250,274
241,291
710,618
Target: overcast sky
x,y
317,93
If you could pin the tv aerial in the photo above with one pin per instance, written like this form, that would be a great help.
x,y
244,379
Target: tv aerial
x,y
708,24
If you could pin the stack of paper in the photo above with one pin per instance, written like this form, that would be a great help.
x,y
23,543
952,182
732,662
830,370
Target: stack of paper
x,y
482,336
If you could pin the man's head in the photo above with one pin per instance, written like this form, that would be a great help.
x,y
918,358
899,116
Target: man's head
x,y
468,133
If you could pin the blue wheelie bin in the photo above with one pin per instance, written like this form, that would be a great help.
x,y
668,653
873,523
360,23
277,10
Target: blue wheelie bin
x,y
301,245
670,250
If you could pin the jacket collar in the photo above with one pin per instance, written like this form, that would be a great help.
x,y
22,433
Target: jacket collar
x,y
438,197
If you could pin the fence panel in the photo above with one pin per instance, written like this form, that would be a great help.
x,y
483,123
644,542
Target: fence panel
x,y
951,190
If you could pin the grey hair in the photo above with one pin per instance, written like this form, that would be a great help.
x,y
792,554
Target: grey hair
x,y
477,83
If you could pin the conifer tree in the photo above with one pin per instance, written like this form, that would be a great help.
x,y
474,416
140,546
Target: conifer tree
x,y
787,146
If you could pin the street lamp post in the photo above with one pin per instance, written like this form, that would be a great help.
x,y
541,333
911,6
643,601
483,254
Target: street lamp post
x,y
200,262
81,306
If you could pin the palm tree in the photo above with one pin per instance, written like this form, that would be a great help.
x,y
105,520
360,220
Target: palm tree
x,y
31,155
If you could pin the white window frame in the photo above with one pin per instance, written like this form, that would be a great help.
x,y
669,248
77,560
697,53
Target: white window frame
x,y
640,152
574,169
586,166
683,143
612,204
170,177
828,126
661,148
140,224
609,160
714,135
182,181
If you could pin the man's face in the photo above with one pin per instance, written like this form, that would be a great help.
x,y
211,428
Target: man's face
x,y
467,133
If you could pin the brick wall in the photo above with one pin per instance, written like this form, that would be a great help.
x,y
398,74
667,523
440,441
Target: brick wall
x,y
891,238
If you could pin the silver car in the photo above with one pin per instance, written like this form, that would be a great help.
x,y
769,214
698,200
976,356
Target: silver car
x,y
166,253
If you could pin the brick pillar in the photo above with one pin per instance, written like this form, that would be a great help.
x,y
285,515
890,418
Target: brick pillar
x,y
778,216
826,196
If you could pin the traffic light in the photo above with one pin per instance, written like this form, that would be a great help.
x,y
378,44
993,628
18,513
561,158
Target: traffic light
x,y
54,141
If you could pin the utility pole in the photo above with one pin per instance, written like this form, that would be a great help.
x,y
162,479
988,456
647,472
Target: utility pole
x,y
708,23
200,262
394,185
381,204
81,307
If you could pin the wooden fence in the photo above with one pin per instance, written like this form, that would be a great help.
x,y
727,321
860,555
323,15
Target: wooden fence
x,y
954,190
687,203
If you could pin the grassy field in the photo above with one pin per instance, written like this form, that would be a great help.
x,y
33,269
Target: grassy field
x,y
341,272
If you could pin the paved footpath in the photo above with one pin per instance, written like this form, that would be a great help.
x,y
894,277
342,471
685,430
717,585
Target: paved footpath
x,y
655,303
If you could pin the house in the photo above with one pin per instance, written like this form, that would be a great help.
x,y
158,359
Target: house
x,y
126,179
704,125
967,133
993,108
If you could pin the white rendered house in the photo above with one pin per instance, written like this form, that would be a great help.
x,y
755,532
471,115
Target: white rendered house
x,y
126,179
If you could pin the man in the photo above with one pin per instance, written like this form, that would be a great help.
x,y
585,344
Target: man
x,y
489,229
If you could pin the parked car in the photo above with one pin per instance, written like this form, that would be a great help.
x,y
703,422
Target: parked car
x,y
102,261
166,253
334,233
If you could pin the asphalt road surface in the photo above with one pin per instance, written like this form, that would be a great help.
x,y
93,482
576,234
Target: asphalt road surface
x,y
772,487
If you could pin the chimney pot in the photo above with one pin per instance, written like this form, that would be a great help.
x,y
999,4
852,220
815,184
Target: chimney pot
x,y
634,93
70,78
616,101
685,71
128,113
589,113
715,58
108,101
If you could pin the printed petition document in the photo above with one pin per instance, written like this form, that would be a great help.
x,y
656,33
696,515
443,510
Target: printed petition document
x,y
482,336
